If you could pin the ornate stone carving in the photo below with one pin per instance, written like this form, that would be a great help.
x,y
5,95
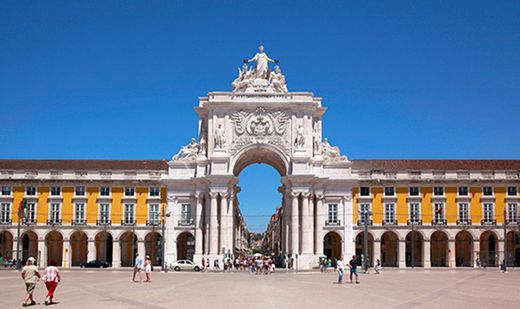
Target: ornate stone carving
x,y
331,152
299,141
262,60
259,127
316,139
220,137
277,80
188,152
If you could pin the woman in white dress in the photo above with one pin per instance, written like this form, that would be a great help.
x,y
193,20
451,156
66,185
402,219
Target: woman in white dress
x,y
148,268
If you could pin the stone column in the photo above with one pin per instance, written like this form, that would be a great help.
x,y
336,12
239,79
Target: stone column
x,y
141,248
377,250
224,220
206,224
67,253
198,225
213,225
427,254
500,253
91,250
287,221
451,253
476,251
307,226
295,248
116,253
231,222
401,254
348,228
42,249
320,223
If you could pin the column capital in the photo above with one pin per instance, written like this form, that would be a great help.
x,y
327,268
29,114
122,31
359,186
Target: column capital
x,y
347,197
295,194
225,194
319,197
213,194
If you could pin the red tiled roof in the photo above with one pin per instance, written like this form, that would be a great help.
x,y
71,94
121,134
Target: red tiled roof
x,y
125,165
447,165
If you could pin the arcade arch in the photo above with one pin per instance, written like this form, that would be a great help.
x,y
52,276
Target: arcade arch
x,y
332,245
389,249
185,246
417,247
464,249
78,245
6,244
103,243
439,249
54,244
128,243
152,244
489,248
29,246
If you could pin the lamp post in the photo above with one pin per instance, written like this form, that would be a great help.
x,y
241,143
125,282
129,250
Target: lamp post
x,y
505,239
163,215
412,217
21,209
366,214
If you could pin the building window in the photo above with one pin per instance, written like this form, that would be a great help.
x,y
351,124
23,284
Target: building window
x,y
332,214
487,191
129,191
463,191
389,213
414,215
80,191
6,190
155,191
153,214
512,191
129,214
389,191
487,214
364,208
413,191
364,191
438,191
30,213
104,213
463,213
56,191
54,215
30,191
438,216
512,213
104,191
185,214
5,214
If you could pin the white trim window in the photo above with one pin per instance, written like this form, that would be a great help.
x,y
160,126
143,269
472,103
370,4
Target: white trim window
x,y
79,191
364,207
55,191
30,191
104,213
153,214
438,213
389,191
463,191
129,191
438,191
512,191
6,190
155,191
79,213
129,214
463,213
185,214
512,213
414,213
487,191
104,191
5,213
414,191
54,213
389,213
364,191
30,213
332,214
488,215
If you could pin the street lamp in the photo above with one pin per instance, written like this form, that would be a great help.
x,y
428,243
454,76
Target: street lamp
x,y
505,239
412,217
366,214
164,216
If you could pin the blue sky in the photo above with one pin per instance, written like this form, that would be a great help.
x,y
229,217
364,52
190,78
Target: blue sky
x,y
119,80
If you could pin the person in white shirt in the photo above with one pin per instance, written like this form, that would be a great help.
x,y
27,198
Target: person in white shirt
x,y
341,268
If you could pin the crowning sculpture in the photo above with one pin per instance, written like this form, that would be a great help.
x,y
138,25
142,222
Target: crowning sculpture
x,y
260,78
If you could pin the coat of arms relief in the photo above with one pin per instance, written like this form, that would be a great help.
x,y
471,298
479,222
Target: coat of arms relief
x,y
260,127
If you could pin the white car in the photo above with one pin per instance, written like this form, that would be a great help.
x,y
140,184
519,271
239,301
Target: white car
x,y
185,265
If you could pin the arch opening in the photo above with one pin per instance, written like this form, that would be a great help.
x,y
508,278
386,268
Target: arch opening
x,y
463,249
128,243
489,249
103,243
54,243
439,249
332,245
415,242
152,244
79,248
389,249
30,246
360,243
185,246
6,245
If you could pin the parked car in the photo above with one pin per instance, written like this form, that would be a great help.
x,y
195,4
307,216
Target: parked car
x,y
185,265
94,264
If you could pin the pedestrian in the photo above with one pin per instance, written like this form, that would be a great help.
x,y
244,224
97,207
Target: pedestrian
x,y
215,265
203,264
51,278
341,268
30,276
148,268
353,269
138,265
377,267
367,266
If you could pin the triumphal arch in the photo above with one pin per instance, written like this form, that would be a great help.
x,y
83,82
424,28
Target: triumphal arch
x,y
260,121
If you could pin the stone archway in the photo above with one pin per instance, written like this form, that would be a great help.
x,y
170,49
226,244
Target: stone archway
x,y
79,248
6,245
103,243
513,247
29,246
185,246
439,249
389,249
152,243
489,248
360,243
464,249
54,243
418,245
332,245
128,243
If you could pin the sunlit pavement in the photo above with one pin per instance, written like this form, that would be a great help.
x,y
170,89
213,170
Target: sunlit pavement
x,y
391,289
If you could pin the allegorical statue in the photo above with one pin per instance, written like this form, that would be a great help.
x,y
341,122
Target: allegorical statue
x,y
299,142
316,137
277,80
189,151
220,138
261,58
244,79
331,152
